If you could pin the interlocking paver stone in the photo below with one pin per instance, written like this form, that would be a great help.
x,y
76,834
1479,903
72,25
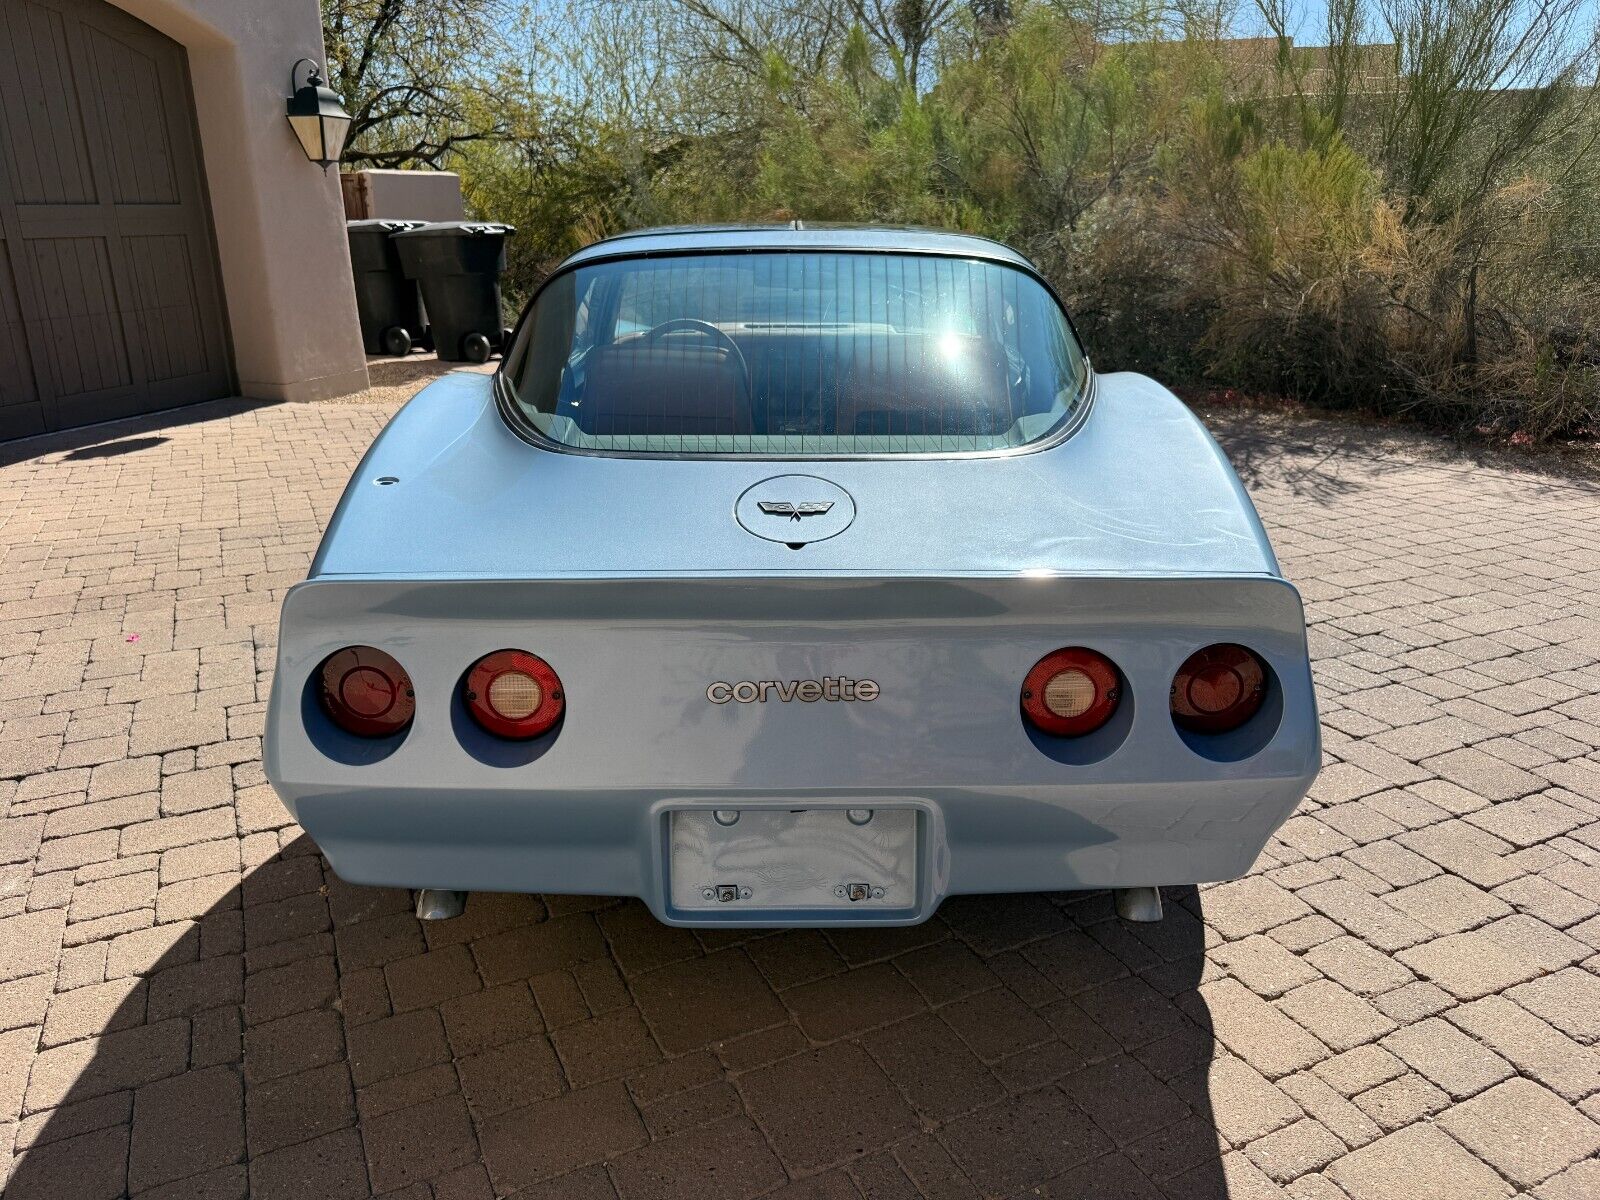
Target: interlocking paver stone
x,y
1339,1017
1367,916
1295,1150
186,1125
89,1165
1536,1049
728,1161
796,1102
192,1005
672,1000
1399,1102
1569,1000
1547,901
1469,965
1264,966
510,1076
1445,1056
414,1145
297,1108
932,1067
605,1046
1385,1168
1464,850
29,943
1523,1130
1251,905
1357,966
1324,1104
1259,1033
1447,904
1023,1142
1576,1183
91,1011
530,1144
1359,1069
331,1167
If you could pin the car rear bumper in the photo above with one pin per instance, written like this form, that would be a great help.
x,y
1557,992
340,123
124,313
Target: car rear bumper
x,y
584,809
968,841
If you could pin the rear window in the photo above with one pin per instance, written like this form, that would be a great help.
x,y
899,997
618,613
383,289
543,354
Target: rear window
x,y
796,353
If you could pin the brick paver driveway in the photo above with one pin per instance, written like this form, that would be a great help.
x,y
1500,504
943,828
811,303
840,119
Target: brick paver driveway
x,y
1401,1001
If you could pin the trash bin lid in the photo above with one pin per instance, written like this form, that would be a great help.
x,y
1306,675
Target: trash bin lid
x,y
382,225
458,229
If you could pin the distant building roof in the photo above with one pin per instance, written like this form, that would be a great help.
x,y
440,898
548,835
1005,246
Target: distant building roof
x,y
1371,67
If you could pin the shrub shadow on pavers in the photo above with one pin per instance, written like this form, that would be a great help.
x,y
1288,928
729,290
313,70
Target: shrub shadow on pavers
x,y
308,1039
1258,458
82,444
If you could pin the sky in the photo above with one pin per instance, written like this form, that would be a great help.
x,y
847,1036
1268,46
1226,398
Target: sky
x,y
1308,26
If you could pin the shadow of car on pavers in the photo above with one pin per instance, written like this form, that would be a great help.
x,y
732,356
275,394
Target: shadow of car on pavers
x,y
304,1038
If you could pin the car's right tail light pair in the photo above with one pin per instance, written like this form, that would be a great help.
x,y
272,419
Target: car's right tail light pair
x,y
1073,692
510,693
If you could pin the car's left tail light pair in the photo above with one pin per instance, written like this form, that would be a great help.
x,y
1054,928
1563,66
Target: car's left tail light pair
x,y
510,693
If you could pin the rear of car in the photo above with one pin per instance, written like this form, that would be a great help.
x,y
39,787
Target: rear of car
x,y
793,578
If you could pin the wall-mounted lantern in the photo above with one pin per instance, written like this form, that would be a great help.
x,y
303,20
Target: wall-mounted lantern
x,y
317,115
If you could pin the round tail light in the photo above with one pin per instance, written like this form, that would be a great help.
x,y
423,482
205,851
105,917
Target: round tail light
x,y
366,692
1071,692
1218,689
514,694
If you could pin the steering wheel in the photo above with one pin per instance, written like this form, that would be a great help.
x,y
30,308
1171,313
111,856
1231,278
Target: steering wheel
x,y
695,325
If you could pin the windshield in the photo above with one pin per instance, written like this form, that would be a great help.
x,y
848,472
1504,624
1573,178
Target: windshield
x,y
796,353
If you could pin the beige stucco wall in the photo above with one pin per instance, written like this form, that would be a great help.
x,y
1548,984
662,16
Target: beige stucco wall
x,y
279,219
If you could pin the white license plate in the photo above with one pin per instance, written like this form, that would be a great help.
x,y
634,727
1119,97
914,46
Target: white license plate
x,y
765,859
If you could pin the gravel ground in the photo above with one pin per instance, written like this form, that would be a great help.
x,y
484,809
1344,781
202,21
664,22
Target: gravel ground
x,y
396,380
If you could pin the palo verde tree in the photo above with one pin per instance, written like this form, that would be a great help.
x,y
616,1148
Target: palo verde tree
x,y
408,71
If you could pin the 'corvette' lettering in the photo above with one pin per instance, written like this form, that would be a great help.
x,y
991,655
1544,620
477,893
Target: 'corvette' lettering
x,y
807,691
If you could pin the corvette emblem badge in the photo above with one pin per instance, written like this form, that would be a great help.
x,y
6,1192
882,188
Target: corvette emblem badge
x,y
794,510
805,508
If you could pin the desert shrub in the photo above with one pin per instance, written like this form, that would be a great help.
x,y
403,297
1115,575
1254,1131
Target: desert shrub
x,y
1315,286
1406,222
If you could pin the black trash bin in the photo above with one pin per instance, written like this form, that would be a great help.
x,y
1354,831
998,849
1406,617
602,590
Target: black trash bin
x,y
386,301
458,265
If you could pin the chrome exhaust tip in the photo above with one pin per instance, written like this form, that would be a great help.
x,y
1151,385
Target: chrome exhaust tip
x,y
1141,904
440,906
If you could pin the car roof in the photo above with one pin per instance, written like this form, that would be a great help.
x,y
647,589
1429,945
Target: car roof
x,y
796,235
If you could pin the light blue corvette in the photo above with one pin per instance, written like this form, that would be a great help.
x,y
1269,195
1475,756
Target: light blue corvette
x,y
791,576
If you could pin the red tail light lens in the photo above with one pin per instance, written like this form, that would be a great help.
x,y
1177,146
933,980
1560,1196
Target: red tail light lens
x,y
366,692
1071,692
514,694
1218,689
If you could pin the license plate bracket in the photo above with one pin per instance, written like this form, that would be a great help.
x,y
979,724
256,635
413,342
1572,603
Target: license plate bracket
x,y
760,862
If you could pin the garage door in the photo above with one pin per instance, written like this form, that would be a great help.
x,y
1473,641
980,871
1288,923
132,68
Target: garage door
x,y
109,300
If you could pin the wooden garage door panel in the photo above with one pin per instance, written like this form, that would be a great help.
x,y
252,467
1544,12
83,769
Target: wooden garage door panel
x,y
16,373
102,202
44,119
78,316
21,413
142,163
166,322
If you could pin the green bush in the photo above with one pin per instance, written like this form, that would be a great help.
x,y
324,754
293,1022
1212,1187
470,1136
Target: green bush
x,y
1405,227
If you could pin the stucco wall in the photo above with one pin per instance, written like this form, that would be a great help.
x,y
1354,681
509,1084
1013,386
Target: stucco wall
x,y
279,219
